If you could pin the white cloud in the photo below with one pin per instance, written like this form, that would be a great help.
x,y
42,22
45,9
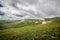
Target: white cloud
x,y
30,8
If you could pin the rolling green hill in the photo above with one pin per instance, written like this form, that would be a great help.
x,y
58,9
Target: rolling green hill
x,y
29,30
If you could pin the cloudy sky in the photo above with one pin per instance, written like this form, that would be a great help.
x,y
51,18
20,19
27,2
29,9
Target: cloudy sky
x,y
26,9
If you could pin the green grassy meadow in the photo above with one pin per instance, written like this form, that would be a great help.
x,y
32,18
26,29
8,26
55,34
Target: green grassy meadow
x,y
29,30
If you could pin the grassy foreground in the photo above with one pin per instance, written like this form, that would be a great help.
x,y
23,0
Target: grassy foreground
x,y
49,31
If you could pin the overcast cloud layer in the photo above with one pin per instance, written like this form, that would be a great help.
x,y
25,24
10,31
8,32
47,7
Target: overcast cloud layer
x,y
24,9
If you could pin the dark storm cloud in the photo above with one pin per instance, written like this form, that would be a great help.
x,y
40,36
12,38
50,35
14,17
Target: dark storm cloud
x,y
31,8
2,14
1,5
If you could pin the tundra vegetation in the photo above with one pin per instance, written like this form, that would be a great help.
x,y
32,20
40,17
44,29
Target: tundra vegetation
x,y
30,29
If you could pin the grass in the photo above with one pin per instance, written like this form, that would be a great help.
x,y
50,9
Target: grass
x,y
49,31
38,32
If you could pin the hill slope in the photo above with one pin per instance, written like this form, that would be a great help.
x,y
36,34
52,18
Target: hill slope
x,y
49,31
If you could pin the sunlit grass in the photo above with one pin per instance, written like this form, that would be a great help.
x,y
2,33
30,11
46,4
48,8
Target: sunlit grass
x,y
38,32
31,31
